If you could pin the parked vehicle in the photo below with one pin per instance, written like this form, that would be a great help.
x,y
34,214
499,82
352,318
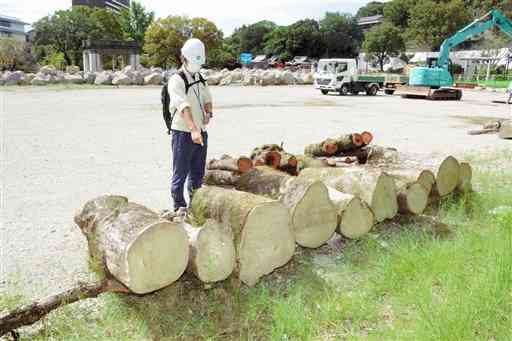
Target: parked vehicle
x,y
342,76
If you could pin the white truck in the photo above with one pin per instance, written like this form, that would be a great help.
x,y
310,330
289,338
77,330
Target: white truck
x,y
342,76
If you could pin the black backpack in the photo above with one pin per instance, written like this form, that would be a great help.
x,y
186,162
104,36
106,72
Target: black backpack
x,y
166,99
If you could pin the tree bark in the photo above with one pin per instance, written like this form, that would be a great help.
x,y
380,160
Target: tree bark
x,y
133,244
33,312
347,143
212,251
241,164
310,162
261,227
312,213
355,218
375,187
221,178
327,147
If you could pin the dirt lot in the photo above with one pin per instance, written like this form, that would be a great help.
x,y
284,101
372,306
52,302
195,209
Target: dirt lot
x,y
63,147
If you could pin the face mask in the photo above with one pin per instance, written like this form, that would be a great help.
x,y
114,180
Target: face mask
x,y
193,68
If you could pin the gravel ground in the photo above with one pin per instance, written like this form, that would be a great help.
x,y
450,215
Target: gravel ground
x,y
61,148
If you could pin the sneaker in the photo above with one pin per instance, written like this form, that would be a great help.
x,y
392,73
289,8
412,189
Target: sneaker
x,y
167,215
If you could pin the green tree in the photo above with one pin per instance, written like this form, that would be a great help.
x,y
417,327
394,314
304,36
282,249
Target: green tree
x,y
372,8
251,38
381,42
64,31
431,22
398,12
15,55
275,42
165,37
305,39
135,22
341,35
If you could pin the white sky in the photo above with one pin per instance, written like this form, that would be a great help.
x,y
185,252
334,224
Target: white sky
x,y
226,14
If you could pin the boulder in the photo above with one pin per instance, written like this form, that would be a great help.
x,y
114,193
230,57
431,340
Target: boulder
x,y
89,77
267,78
153,79
122,79
129,69
226,81
48,70
214,79
137,78
298,79
59,77
287,78
236,76
42,79
72,70
103,78
73,79
13,78
308,78
29,77
249,80
156,70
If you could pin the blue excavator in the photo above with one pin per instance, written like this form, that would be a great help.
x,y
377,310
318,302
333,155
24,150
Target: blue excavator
x,y
435,81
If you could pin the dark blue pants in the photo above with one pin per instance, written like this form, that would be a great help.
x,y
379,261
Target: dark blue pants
x,y
188,160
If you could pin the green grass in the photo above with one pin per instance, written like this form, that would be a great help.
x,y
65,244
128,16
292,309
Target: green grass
x,y
399,283
491,83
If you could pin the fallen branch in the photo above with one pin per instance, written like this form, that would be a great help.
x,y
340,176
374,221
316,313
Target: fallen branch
x,y
35,311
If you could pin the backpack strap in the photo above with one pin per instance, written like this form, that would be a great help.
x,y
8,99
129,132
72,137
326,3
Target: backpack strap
x,y
185,80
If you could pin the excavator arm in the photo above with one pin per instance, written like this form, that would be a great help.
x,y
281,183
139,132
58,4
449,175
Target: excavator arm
x,y
494,18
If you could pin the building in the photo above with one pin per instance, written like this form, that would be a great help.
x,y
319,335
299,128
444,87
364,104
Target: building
x,y
12,28
115,5
368,22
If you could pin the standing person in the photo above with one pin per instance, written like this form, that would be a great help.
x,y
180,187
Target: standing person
x,y
509,90
192,103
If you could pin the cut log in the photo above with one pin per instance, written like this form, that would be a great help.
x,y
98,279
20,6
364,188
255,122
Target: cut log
x,y
447,177
367,137
288,163
212,251
133,244
328,147
383,155
35,311
412,198
313,215
270,158
227,163
310,162
427,179
220,178
347,143
355,218
262,231
375,187
506,130
465,178
409,176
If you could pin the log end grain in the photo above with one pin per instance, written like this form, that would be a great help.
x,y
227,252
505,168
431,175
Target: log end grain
x,y
465,178
427,179
266,241
384,202
314,217
447,177
356,219
413,199
157,257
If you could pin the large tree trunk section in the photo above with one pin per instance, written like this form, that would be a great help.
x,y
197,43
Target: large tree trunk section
x,y
412,198
134,245
376,188
465,178
425,177
212,251
506,130
382,155
310,162
324,148
221,178
367,137
355,218
289,164
312,213
227,163
347,143
447,177
263,237
33,312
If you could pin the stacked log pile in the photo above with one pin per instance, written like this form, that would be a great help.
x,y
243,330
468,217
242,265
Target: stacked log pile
x,y
251,214
502,127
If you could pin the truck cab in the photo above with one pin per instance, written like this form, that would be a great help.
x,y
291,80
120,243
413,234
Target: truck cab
x,y
342,76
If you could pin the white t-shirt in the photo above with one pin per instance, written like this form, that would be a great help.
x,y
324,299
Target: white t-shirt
x,y
198,95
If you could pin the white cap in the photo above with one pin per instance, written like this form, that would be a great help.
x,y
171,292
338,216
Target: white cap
x,y
194,51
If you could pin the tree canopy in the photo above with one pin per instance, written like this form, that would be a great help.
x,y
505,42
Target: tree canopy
x,y
165,37
383,41
372,8
135,21
341,35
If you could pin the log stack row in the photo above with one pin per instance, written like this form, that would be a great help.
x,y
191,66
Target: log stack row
x,y
255,210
